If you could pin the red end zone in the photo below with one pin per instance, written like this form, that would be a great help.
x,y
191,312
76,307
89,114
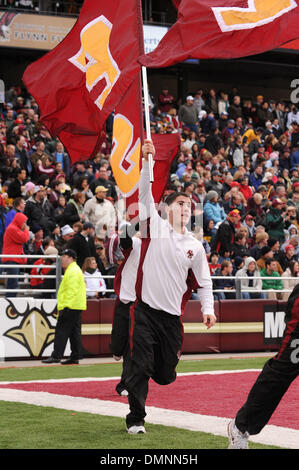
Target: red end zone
x,y
207,394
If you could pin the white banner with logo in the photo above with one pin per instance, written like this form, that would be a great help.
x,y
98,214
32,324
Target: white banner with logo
x,y
27,327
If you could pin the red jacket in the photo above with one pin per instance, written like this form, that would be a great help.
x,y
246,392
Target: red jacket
x,y
14,238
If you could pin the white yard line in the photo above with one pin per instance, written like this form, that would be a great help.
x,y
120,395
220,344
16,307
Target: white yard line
x,y
101,379
271,435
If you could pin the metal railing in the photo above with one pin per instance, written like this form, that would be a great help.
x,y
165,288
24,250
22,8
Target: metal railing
x,y
35,290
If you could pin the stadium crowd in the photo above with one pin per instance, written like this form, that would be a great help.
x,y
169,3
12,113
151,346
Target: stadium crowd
x,y
238,162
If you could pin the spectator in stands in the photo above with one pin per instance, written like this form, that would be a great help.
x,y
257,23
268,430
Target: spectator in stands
x,y
215,183
188,114
74,210
22,155
60,156
16,187
83,243
291,271
214,262
227,285
95,283
103,180
18,206
66,234
16,234
251,286
235,203
271,285
225,234
212,209
265,253
39,211
82,186
58,212
99,211
239,247
275,221
165,100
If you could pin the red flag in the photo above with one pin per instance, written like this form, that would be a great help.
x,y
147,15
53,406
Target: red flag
x,y
212,29
79,83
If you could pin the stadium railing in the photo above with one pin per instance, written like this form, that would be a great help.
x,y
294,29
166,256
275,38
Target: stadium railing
x,y
26,289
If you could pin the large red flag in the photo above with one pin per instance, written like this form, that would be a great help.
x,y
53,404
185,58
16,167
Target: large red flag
x,y
211,29
79,83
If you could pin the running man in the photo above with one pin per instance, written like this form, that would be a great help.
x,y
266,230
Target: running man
x,y
172,264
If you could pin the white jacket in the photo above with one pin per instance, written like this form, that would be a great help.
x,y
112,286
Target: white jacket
x,y
94,283
257,281
100,213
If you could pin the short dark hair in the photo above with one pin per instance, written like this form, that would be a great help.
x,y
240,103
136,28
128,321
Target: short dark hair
x,y
17,201
173,196
269,261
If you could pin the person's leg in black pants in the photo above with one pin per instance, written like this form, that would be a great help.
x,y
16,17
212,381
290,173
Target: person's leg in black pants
x,y
75,336
156,343
67,321
120,339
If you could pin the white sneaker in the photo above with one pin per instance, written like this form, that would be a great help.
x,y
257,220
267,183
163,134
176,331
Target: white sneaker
x,y
237,439
124,393
117,358
136,430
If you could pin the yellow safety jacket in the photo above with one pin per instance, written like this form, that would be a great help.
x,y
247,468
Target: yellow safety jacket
x,y
72,289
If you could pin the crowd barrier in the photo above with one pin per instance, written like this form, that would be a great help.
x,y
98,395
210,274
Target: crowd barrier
x,y
27,327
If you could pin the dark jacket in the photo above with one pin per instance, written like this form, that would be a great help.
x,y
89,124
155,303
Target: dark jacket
x,y
224,238
83,247
40,213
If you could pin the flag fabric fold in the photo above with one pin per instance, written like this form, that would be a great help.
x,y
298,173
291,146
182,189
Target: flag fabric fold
x,y
225,29
78,84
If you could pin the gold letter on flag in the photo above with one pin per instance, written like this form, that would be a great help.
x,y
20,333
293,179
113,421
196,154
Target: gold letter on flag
x,y
258,13
95,59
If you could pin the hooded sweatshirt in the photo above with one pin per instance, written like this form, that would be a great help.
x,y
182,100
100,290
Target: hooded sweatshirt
x,y
14,238
252,284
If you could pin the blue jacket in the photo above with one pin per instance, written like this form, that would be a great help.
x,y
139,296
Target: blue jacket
x,y
213,211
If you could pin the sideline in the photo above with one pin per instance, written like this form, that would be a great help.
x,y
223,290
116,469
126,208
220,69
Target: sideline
x,y
109,360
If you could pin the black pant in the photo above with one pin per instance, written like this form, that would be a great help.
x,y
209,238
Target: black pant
x,y
277,375
68,327
155,347
120,338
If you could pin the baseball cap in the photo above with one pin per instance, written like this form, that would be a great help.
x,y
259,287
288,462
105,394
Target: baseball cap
x,y
234,213
287,248
51,250
70,253
100,188
276,201
190,97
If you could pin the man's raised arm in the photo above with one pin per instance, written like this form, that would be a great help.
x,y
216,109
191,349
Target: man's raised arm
x,y
146,200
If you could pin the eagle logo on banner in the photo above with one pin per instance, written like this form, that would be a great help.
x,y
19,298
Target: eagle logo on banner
x,y
35,331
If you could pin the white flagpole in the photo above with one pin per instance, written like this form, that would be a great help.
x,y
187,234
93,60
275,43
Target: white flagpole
x,y
147,119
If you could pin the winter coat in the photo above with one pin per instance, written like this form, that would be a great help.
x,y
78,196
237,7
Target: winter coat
x,y
40,214
288,283
275,224
14,238
102,213
84,248
213,211
224,238
257,281
72,290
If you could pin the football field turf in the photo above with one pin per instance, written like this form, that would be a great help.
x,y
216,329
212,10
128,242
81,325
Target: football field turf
x,y
76,407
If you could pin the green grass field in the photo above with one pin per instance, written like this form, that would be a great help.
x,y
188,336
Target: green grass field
x,y
34,427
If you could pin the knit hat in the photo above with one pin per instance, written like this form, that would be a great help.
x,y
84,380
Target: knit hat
x,y
66,230
265,250
211,195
